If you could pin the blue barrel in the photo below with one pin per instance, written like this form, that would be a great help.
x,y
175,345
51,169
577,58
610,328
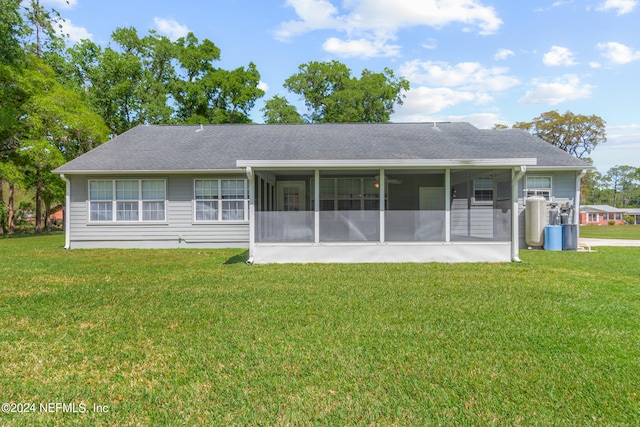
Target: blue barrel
x,y
553,238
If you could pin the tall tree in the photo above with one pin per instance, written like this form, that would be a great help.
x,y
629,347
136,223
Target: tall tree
x,y
576,134
623,181
331,94
11,98
206,94
278,110
42,25
55,126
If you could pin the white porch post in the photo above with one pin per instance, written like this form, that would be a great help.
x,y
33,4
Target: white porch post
x,y
252,214
447,205
383,190
67,212
576,201
516,175
316,206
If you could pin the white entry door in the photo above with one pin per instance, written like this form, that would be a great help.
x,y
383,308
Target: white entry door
x,y
291,196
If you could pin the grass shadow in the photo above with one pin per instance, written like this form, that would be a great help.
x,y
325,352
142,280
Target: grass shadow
x,y
27,234
237,259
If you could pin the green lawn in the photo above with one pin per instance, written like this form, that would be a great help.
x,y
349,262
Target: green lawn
x,y
196,337
611,231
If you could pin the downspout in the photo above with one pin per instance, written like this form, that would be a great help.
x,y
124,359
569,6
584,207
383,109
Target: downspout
x,y
67,212
252,213
515,226
576,202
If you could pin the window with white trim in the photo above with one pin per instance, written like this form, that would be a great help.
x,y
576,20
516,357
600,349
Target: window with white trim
x,y
347,194
538,186
221,200
483,190
127,200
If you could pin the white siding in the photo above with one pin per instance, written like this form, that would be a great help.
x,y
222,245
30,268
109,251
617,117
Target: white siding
x,y
179,230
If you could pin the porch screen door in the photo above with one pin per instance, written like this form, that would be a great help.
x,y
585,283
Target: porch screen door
x,y
291,196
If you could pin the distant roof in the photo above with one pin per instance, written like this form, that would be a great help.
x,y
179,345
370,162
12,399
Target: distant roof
x,y
601,208
218,147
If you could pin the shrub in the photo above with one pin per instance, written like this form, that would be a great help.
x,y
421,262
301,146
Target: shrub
x,y
612,222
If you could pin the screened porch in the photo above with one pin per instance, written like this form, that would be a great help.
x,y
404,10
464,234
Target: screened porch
x,y
382,206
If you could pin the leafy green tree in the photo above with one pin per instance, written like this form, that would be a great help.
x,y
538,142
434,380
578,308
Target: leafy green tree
x,y
331,94
37,158
278,110
206,94
42,24
55,126
153,80
623,181
576,134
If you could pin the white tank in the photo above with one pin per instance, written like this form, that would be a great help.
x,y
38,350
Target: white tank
x,y
535,220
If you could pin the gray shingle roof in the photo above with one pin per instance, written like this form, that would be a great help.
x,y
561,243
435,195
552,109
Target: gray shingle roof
x,y
218,147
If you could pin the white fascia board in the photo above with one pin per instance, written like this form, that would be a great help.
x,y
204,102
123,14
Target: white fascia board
x,y
384,163
559,168
150,172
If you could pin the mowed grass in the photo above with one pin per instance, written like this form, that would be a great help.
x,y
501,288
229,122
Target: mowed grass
x,y
196,337
628,231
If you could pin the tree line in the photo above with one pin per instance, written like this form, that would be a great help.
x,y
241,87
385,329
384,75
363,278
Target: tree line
x,y
579,135
59,101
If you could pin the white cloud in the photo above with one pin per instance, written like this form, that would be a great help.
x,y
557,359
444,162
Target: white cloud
x,y
557,56
565,88
430,44
74,33
618,53
621,6
361,48
465,75
367,20
479,120
262,85
62,4
594,64
423,100
503,54
170,28
313,14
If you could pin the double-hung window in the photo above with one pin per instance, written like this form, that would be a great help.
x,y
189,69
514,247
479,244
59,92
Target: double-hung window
x,y
483,190
538,186
221,200
127,200
344,194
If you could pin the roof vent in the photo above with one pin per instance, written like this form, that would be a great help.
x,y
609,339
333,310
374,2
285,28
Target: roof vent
x,y
201,128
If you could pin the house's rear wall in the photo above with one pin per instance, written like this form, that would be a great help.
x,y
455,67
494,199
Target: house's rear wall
x,y
179,230
563,190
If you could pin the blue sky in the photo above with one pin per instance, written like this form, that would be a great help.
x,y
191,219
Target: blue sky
x,y
480,61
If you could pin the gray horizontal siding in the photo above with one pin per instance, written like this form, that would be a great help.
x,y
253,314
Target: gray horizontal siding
x,y
179,230
563,190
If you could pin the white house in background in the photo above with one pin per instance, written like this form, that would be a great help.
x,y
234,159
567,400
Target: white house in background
x,y
412,192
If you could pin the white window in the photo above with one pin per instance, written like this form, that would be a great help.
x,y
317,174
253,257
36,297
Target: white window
x,y
538,186
221,200
347,194
483,190
132,200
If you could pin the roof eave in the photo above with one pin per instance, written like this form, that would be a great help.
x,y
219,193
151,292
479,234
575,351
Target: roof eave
x,y
385,163
561,168
142,171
